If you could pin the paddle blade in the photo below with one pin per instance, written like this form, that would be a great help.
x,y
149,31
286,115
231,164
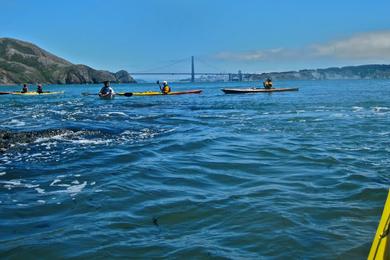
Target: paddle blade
x,y
126,94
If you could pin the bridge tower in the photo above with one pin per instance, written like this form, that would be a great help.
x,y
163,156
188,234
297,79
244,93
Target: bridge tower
x,y
192,69
239,75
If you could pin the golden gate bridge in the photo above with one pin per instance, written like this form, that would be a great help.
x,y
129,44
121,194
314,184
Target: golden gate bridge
x,y
231,76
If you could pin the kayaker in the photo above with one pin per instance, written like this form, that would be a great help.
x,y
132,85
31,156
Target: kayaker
x,y
165,89
24,89
267,83
106,90
39,89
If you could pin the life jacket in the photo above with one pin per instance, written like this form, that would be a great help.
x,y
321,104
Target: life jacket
x,y
24,90
39,89
166,89
267,84
106,90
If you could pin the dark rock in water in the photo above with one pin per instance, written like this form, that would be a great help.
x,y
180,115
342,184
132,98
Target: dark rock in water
x,y
9,139
5,141
23,62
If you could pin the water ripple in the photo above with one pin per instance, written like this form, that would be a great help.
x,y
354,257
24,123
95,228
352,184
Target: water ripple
x,y
201,176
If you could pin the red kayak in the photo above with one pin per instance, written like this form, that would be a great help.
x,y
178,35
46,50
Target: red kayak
x,y
255,90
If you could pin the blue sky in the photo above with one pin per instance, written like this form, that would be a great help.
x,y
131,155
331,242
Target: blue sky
x,y
223,35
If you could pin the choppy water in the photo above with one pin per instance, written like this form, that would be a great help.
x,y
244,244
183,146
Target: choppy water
x,y
300,174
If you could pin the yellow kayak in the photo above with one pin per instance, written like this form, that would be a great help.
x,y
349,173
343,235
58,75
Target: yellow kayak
x,y
36,93
380,246
158,93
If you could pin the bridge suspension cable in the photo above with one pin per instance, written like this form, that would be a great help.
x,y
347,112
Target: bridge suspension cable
x,y
205,63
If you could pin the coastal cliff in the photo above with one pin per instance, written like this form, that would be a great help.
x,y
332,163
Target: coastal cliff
x,y
23,62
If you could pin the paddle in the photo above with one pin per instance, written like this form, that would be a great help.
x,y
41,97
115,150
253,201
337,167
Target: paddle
x,y
126,94
5,93
158,82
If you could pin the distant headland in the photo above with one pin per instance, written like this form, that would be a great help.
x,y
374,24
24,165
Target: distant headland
x,y
24,62
374,71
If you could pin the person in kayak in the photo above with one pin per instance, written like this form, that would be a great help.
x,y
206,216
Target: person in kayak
x,y
165,89
39,89
24,89
106,90
267,83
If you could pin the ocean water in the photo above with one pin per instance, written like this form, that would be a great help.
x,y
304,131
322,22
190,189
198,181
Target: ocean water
x,y
212,176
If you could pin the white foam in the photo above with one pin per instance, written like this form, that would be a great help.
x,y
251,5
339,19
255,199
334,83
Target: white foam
x,y
61,112
54,137
145,135
6,161
15,122
86,141
57,184
49,144
128,132
41,201
356,108
17,184
40,191
117,114
62,185
381,109
2,173
73,190
54,182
